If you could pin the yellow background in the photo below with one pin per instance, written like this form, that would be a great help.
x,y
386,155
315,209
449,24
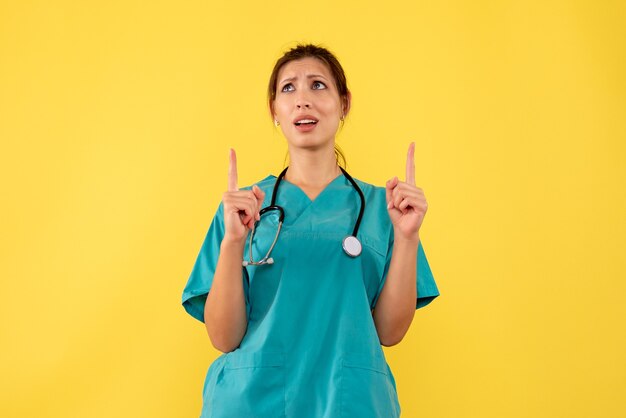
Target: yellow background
x,y
116,118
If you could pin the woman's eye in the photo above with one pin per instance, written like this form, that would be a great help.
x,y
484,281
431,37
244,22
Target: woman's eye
x,y
319,83
285,87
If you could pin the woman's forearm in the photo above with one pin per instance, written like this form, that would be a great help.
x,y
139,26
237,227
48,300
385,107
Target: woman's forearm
x,y
395,307
225,308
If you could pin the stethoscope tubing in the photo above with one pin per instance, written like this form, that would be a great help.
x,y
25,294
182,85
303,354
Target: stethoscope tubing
x,y
273,206
361,196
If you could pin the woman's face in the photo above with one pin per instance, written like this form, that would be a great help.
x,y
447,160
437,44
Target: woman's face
x,y
306,90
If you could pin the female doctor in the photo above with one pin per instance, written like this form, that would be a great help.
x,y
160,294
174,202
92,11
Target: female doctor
x,y
301,301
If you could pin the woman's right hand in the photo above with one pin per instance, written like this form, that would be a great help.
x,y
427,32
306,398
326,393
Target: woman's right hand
x,y
241,207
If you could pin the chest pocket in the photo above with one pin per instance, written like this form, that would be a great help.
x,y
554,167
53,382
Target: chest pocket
x,y
373,260
262,282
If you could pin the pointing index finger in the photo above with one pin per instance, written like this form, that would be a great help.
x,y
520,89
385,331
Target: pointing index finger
x,y
410,164
232,172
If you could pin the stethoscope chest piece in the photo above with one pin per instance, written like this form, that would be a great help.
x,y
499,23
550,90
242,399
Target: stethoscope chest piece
x,y
352,246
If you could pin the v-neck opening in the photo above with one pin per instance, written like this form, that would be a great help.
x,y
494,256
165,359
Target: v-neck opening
x,y
309,200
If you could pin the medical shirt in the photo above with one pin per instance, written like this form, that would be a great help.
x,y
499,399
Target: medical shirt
x,y
311,348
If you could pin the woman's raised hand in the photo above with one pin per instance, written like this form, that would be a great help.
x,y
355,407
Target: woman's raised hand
x,y
241,207
406,203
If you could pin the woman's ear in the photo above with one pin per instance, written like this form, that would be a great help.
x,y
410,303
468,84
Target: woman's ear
x,y
270,110
346,103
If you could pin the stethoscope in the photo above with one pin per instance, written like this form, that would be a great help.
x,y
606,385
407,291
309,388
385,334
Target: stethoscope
x,y
351,244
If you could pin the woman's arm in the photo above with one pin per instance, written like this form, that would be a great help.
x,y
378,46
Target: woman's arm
x,y
225,307
406,205
395,307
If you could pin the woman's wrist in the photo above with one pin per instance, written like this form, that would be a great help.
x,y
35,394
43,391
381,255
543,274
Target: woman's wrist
x,y
411,241
232,243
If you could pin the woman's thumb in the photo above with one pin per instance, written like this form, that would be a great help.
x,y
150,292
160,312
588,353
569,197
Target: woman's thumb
x,y
259,194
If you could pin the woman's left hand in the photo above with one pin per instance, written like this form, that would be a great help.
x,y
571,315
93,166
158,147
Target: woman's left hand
x,y
406,203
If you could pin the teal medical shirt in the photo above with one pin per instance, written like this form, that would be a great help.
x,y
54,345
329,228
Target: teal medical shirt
x,y
311,348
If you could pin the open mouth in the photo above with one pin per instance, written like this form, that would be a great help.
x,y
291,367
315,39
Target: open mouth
x,y
306,122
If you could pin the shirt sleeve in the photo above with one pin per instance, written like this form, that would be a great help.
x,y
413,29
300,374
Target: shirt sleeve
x,y
426,287
201,277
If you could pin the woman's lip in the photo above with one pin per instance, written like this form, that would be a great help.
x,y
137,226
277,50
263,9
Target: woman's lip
x,y
305,117
306,127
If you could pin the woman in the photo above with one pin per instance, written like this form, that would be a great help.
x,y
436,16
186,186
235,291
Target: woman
x,y
302,326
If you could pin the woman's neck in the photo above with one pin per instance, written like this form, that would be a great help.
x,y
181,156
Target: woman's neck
x,y
312,168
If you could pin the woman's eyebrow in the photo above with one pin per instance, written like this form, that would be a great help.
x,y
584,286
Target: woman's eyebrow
x,y
308,76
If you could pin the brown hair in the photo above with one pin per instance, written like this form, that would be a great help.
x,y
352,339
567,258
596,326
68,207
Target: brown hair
x,y
315,51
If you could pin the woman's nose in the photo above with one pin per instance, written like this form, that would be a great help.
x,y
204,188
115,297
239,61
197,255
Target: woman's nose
x,y
303,101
